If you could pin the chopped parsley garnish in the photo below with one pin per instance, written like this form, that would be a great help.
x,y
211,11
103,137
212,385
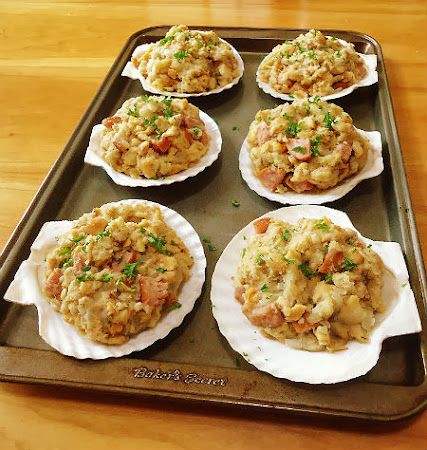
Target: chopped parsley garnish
x,y
235,203
328,278
323,226
199,42
85,276
264,288
289,261
306,270
166,39
293,129
243,253
130,269
65,251
86,268
286,115
286,235
299,149
168,113
300,48
370,245
312,54
107,278
175,305
348,264
179,56
196,131
329,120
211,247
151,121
315,99
338,53
325,248
143,230
161,269
259,259
67,262
236,128
133,111
174,243
76,240
104,233
268,119
314,143
158,243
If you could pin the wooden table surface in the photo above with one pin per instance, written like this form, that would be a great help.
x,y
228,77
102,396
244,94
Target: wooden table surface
x,y
54,56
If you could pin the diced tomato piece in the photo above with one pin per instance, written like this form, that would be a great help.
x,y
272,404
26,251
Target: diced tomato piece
x,y
153,292
271,177
110,121
345,149
300,148
333,259
266,316
261,225
263,133
53,283
162,145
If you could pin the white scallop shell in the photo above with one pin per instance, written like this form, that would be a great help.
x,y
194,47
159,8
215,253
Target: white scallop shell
x,y
26,289
370,78
282,360
94,157
373,167
132,72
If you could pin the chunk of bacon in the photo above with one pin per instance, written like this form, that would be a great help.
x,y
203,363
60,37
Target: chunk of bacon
x,y
238,293
53,283
298,186
263,133
204,139
303,152
341,85
79,263
261,225
271,177
120,145
108,122
265,316
162,145
333,259
345,149
153,292
192,122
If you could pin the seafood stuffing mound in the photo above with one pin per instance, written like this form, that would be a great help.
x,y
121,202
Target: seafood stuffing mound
x,y
188,61
312,64
154,137
306,146
117,272
314,283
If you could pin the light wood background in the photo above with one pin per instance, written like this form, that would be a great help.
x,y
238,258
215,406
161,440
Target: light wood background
x,y
53,57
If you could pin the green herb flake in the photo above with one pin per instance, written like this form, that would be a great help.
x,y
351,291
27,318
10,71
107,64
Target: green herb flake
x,y
235,203
86,268
329,120
196,131
85,277
370,245
323,226
106,278
158,243
166,39
289,261
286,116
130,269
259,259
133,111
328,278
348,264
236,128
264,288
404,284
299,149
161,270
314,145
65,251
208,242
151,121
143,230
179,56
306,270
243,253
67,262
175,305
76,240
338,53
286,235
168,113
104,233
325,249
315,99
293,129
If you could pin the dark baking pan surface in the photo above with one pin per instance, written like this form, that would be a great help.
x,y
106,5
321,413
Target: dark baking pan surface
x,y
194,362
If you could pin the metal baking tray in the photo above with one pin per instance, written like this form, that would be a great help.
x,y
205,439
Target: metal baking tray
x,y
194,362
